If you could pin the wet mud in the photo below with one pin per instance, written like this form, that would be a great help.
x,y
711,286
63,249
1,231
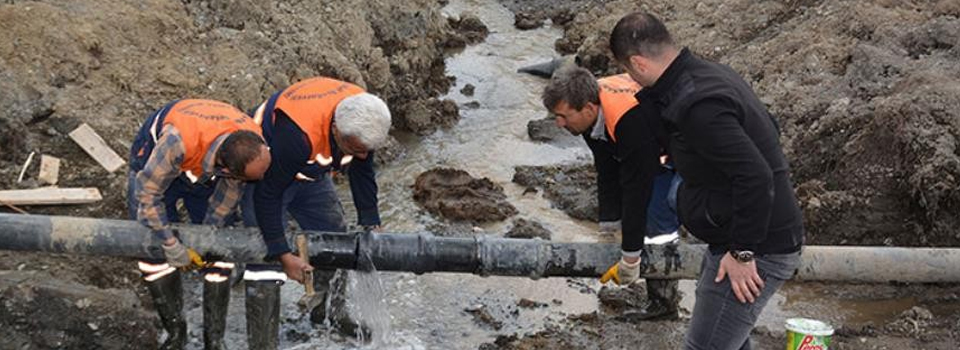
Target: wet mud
x,y
571,188
454,194
528,229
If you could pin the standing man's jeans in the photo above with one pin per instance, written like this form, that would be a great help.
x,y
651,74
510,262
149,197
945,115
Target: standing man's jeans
x,y
720,321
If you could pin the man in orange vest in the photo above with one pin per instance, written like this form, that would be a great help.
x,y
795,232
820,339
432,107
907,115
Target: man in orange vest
x,y
313,127
635,183
200,151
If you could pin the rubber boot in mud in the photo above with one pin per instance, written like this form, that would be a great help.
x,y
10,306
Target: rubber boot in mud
x,y
167,293
263,314
334,309
216,298
662,299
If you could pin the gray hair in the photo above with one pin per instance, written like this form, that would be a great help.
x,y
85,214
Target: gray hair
x,y
574,85
365,117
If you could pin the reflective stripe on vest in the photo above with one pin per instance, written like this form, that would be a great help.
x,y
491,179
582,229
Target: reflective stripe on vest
x,y
616,98
311,104
200,123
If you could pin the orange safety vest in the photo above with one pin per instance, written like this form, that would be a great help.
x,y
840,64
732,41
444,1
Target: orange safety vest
x,y
311,104
616,98
200,122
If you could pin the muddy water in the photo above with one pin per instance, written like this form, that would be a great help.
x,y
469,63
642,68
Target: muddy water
x,y
407,311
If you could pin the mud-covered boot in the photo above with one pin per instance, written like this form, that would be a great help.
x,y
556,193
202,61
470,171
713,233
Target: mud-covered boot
x,y
662,299
216,298
167,293
263,314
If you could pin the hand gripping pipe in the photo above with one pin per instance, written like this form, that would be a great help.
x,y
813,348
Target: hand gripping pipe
x,y
481,255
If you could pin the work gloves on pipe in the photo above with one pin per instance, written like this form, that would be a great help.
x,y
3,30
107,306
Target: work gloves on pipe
x,y
180,256
622,273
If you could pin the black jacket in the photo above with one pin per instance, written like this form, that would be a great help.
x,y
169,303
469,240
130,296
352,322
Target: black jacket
x,y
625,172
737,192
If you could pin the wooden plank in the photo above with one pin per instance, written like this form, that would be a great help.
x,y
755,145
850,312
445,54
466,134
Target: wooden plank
x,y
50,196
94,145
49,169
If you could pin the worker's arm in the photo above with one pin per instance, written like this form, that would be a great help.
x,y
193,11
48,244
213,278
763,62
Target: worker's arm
x,y
608,179
363,186
226,196
162,168
639,154
289,151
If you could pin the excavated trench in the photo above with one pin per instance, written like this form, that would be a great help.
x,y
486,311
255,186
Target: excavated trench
x,y
91,77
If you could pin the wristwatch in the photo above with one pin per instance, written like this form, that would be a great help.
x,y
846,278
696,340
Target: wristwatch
x,y
742,256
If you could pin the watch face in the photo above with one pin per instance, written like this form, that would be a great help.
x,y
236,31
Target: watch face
x,y
743,256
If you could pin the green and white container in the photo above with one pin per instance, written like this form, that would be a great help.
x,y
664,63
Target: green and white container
x,y
807,334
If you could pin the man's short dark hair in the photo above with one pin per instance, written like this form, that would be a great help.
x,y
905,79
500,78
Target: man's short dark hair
x,y
639,33
238,150
575,85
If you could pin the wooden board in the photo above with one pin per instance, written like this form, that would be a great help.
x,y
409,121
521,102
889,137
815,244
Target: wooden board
x,y
94,145
49,169
50,195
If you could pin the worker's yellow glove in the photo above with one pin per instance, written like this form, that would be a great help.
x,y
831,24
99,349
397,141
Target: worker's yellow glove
x,y
195,258
622,273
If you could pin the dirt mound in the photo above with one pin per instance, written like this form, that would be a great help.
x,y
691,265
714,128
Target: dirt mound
x,y
870,113
454,194
523,228
571,188
41,311
110,63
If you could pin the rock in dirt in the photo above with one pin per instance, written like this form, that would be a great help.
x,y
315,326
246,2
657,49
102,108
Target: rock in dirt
x,y
467,90
528,229
455,195
571,188
468,29
546,130
527,21
424,117
41,312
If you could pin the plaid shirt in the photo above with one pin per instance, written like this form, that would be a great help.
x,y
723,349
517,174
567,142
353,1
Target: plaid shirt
x,y
163,167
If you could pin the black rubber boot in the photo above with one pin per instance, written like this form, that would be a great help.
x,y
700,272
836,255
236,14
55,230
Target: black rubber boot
x,y
321,285
662,299
167,293
263,314
333,286
216,298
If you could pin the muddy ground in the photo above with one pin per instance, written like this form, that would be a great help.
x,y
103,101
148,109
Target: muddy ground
x,y
867,93
110,63
870,116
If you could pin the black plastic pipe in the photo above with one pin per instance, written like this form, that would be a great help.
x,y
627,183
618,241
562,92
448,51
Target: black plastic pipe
x,y
482,255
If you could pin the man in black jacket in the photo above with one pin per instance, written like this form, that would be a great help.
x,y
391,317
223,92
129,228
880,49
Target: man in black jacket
x,y
736,195
633,185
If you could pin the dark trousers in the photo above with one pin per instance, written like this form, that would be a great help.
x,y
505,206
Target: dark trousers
x,y
720,321
313,204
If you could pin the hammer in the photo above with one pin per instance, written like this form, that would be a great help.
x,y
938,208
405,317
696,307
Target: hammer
x,y
309,300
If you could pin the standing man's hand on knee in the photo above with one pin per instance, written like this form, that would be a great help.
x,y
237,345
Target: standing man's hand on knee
x,y
744,280
294,267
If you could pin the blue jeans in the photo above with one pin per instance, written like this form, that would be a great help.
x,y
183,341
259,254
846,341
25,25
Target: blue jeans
x,y
720,321
662,210
313,204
